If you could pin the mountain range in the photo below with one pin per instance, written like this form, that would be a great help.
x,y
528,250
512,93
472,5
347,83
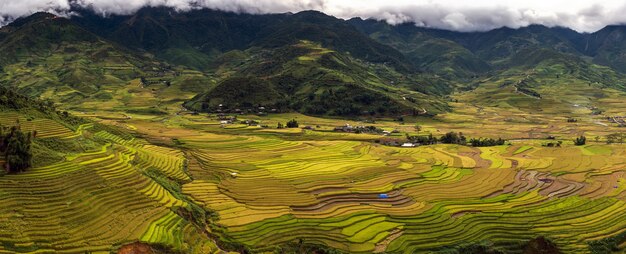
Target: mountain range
x,y
158,59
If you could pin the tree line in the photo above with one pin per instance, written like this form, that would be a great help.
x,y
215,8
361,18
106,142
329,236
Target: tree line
x,y
454,138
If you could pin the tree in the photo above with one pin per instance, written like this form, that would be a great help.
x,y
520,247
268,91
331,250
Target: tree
x,y
292,124
579,141
453,138
16,147
280,126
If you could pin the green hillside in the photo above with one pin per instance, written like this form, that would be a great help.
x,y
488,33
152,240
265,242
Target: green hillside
x,y
308,78
430,54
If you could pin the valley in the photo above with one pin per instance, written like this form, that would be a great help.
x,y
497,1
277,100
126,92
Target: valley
x,y
269,187
218,132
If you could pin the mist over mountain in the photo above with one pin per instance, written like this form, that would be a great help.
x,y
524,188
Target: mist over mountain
x,y
153,28
482,15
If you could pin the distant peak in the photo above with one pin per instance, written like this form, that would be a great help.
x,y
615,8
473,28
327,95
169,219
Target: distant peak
x,y
313,14
36,17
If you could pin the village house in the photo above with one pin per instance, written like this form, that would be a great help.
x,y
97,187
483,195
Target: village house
x,y
408,145
251,122
345,128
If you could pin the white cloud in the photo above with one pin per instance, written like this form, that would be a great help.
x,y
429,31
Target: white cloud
x,y
479,15
11,9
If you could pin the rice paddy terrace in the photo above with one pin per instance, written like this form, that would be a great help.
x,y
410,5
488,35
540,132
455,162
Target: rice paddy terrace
x,y
439,196
188,183
274,186
96,200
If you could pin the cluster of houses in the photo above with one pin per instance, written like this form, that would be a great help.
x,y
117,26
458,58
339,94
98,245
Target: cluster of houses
x,y
258,110
345,128
226,119
396,142
391,142
361,129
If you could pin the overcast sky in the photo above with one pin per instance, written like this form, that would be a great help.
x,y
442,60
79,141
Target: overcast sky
x,y
475,15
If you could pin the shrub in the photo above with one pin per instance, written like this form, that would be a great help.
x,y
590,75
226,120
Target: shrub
x,y
292,124
579,141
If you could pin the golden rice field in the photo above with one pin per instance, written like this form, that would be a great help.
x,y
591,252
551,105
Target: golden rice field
x,y
272,186
46,128
327,192
93,202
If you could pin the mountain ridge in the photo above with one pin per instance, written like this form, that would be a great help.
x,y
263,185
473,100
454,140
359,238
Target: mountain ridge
x,y
160,46
83,69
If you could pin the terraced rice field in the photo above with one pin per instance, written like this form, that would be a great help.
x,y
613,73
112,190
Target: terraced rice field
x,y
269,187
96,201
268,191
46,128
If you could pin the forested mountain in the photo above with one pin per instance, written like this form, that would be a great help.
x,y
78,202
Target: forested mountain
x,y
193,38
292,62
309,78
